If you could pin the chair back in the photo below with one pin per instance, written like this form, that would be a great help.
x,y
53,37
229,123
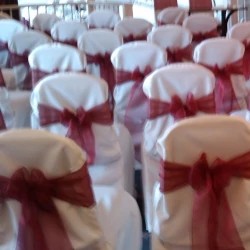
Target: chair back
x,y
4,16
20,46
51,58
81,100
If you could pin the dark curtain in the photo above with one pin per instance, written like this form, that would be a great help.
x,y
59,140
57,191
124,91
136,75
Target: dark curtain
x,y
15,13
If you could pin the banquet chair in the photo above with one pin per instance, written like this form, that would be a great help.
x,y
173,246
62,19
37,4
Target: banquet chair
x,y
171,15
75,105
45,22
20,46
4,16
47,198
174,92
133,29
241,32
133,62
175,39
67,32
201,199
48,59
202,26
102,19
98,44
230,91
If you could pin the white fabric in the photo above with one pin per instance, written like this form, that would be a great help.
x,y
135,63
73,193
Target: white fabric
x,y
133,26
102,19
9,78
67,30
98,41
45,22
127,58
172,15
245,114
72,90
176,79
170,36
184,143
22,42
49,57
227,51
8,28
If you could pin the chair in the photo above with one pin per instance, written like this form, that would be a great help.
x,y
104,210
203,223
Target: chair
x,y
4,16
102,19
55,200
230,91
45,22
67,32
171,15
20,46
8,28
52,58
176,40
202,26
174,92
82,102
132,63
201,197
133,29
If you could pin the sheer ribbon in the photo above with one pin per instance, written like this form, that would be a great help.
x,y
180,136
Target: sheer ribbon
x,y
2,122
78,123
132,37
40,226
201,36
179,54
225,98
4,47
246,60
200,5
17,59
210,207
38,74
71,42
106,69
180,110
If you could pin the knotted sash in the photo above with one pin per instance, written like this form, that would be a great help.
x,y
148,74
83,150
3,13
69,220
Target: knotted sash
x,y
225,98
40,226
179,54
4,47
18,59
180,110
106,69
132,37
78,124
201,36
213,226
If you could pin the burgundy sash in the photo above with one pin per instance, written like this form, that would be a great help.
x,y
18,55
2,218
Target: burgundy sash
x,y
200,5
180,110
213,226
131,38
101,27
179,54
2,123
160,5
37,74
2,82
4,47
78,123
17,59
199,37
137,105
246,60
71,42
225,97
40,225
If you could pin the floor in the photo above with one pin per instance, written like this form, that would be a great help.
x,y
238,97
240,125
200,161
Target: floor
x,y
145,241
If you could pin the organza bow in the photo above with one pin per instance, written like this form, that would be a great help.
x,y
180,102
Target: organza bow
x,y
179,54
201,36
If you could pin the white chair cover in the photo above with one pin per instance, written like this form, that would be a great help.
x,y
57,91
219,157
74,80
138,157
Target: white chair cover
x,y
128,57
51,58
172,37
245,114
227,51
67,31
163,84
8,28
102,19
137,28
23,43
45,22
172,15
71,91
184,143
